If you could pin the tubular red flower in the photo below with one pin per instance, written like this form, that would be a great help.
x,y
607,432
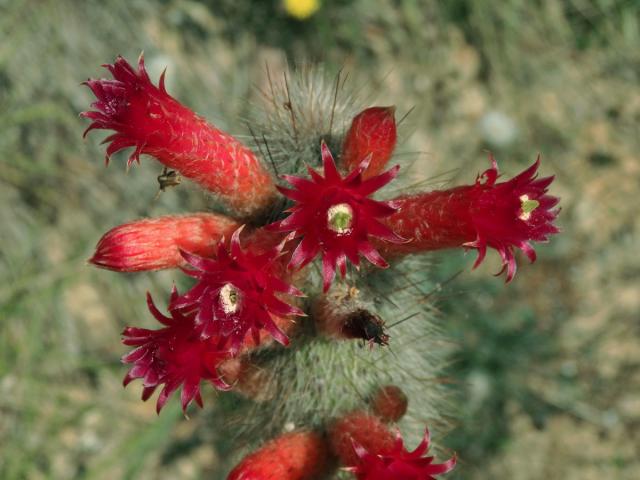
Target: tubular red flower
x,y
155,244
238,293
501,215
372,132
148,118
398,463
335,215
172,356
292,456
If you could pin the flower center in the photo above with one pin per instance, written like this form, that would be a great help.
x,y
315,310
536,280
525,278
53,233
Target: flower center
x,y
526,207
229,298
340,218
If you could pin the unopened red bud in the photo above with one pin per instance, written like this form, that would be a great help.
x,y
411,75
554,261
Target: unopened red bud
x,y
390,403
292,456
372,132
155,244
363,428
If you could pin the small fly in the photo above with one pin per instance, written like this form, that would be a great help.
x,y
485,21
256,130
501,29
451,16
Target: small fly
x,y
168,178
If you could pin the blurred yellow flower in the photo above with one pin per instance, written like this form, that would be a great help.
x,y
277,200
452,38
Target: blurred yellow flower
x,y
301,9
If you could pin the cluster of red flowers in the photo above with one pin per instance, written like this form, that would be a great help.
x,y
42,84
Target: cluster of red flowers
x,y
244,296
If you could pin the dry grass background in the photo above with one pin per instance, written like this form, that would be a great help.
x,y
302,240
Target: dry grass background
x,y
547,369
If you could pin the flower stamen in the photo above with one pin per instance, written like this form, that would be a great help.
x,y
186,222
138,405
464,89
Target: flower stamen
x,y
229,299
340,218
527,206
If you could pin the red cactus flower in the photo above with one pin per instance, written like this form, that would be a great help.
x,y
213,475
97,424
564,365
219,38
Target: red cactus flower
x,y
398,463
148,118
292,456
501,215
172,356
335,215
155,244
237,293
372,132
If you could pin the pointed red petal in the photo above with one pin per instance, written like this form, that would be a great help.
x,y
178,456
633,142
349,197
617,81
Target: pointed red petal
x,y
371,254
328,270
331,174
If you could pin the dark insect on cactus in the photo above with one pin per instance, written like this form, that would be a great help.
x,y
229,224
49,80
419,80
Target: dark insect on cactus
x,y
366,326
262,320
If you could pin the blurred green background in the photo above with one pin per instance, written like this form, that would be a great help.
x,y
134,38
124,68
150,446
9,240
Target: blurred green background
x,y
546,369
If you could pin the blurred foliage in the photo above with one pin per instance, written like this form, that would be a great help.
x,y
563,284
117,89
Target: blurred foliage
x,y
547,368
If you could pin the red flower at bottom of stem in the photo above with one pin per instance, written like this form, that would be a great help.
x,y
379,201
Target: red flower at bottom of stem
x,y
398,463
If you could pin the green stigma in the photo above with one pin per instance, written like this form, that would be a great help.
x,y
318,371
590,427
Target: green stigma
x,y
527,206
229,298
340,218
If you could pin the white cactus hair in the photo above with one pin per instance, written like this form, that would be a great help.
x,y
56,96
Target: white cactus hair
x,y
317,378
299,107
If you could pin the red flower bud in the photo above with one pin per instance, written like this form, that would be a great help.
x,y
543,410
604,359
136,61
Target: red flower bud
x,y
390,403
292,456
372,132
504,216
155,244
368,430
148,118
